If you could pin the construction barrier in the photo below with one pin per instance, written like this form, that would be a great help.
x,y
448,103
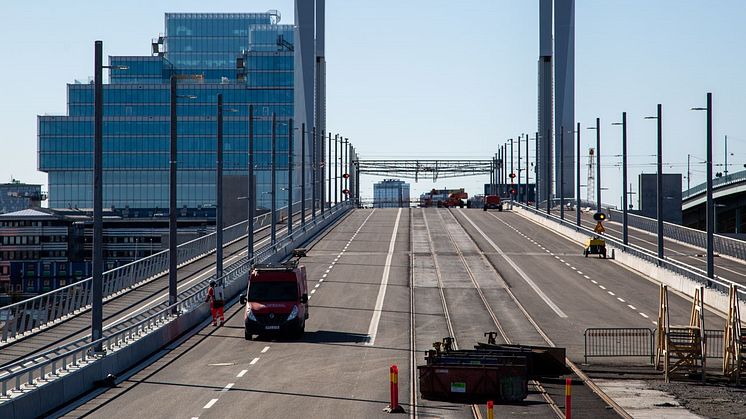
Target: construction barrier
x,y
394,407
568,398
615,342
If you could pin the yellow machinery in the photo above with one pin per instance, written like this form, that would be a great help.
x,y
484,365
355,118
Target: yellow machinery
x,y
595,246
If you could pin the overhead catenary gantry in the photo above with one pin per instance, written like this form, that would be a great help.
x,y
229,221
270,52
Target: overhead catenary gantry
x,y
416,168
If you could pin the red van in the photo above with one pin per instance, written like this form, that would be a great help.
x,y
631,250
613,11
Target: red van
x,y
276,299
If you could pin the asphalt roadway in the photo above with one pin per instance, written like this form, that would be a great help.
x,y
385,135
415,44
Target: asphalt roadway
x,y
365,273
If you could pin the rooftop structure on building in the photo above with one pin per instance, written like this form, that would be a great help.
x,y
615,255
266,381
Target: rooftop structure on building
x,y
17,196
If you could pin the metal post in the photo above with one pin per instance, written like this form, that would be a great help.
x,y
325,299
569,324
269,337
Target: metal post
x,y
219,193
330,163
322,172
511,170
659,181
290,177
314,177
98,202
598,164
172,219
527,168
577,176
725,172
336,168
303,175
346,168
625,194
252,187
273,187
518,190
536,173
548,180
710,205
562,172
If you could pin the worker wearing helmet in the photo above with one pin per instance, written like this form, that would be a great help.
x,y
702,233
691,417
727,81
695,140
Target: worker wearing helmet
x,y
216,298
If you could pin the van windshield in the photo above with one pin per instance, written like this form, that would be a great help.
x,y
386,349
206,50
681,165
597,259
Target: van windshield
x,y
273,291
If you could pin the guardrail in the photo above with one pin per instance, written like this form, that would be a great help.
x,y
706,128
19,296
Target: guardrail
x,y
720,284
52,364
723,245
717,182
38,312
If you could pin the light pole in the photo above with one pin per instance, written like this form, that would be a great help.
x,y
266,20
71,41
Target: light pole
x,y
527,168
273,187
710,204
536,174
97,282
219,193
252,187
577,175
625,215
659,180
548,180
336,169
303,174
290,178
172,217
518,190
562,172
314,177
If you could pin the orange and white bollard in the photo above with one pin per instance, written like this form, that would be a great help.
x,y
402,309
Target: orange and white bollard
x,y
490,410
568,398
394,407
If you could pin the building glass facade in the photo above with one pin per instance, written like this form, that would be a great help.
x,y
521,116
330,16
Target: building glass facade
x,y
390,193
248,57
17,196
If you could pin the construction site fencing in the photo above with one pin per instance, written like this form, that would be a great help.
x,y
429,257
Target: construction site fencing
x,y
619,342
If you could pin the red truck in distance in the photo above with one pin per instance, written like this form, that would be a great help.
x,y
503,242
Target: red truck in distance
x,y
276,299
493,202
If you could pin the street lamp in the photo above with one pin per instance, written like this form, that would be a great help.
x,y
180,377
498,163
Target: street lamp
x,y
710,210
598,163
625,232
97,303
659,179
562,172
577,183
219,192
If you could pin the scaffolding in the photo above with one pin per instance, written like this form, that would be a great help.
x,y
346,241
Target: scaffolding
x,y
681,349
734,341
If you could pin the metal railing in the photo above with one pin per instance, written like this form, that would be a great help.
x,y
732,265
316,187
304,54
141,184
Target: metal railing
x,y
619,342
38,312
50,364
723,245
719,284
716,183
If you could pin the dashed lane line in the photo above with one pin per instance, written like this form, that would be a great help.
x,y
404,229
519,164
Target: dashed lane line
x,y
242,373
210,403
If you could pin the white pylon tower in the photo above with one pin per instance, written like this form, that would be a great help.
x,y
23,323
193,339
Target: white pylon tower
x,y
591,184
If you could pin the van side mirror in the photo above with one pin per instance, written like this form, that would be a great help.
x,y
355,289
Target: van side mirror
x,y
304,298
242,299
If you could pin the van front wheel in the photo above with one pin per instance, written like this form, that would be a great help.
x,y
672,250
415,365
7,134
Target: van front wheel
x,y
247,335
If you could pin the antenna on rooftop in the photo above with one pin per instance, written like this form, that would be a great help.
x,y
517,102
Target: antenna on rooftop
x,y
274,16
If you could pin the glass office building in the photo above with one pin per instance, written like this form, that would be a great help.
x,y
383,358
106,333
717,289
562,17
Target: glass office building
x,y
390,193
248,57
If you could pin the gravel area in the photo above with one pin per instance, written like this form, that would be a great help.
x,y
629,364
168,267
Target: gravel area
x,y
711,400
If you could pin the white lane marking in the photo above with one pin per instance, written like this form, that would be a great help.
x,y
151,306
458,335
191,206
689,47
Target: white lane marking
x,y
321,280
573,268
602,287
580,273
327,271
222,364
242,373
266,348
562,260
631,306
594,281
373,328
254,361
228,387
644,315
317,285
611,293
621,299
586,277
210,403
655,322
324,276
523,275
567,264
313,291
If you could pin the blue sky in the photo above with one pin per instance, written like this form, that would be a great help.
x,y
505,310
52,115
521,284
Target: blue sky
x,y
433,78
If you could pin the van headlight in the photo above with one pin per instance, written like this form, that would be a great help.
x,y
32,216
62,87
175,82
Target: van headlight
x,y
250,314
293,313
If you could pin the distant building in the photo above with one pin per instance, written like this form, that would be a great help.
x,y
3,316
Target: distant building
x,y
42,249
391,193
17,196
671,196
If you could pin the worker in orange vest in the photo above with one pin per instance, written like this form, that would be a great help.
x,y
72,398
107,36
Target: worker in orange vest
x,y
216,298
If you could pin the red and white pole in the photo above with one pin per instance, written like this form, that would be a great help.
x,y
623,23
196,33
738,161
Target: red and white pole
x,y
490,410
568,398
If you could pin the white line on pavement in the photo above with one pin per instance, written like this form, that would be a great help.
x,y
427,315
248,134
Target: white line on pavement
x,y
210,403
228,387
266,348
242,373
253,361
373,329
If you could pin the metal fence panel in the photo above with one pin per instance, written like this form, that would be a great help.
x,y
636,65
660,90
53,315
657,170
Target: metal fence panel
x,y
610,342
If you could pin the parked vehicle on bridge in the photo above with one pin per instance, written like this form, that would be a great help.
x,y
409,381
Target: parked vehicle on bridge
x,y
493,202
276,298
